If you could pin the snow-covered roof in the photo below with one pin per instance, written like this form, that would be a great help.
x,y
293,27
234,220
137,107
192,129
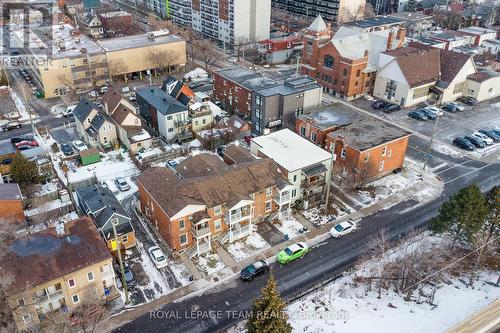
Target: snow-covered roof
x,y
290,150
318,25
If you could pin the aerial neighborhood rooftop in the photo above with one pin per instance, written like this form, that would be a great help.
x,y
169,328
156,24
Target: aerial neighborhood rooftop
x,y
334,163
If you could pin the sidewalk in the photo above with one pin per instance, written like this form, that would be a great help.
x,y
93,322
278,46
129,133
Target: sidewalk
x,y
315,236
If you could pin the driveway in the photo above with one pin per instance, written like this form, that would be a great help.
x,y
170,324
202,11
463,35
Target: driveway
x,y
64,135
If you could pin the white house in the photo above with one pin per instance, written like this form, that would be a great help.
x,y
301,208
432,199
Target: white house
x,y
483,85
492,46
412,75
479,35
307,166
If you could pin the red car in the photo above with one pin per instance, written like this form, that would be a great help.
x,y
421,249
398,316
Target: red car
x,y
31,143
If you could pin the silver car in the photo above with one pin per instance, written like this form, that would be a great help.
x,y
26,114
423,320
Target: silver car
x,y
122,184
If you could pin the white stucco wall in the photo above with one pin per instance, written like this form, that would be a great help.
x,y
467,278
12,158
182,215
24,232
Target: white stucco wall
x,y
483,90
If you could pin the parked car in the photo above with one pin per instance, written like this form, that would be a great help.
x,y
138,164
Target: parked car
x,y
11,125
68,112
157,256
122,184
31,143
491,134
23,137
468,100
251,271
79,145
487,139
342,229
292,252
450,108
377,105
129,275
430,114
496,131
66,149
172,163
132,98
415,114
463,143
103,89
390,108
24,147
458,106
93,93
434,109
479,143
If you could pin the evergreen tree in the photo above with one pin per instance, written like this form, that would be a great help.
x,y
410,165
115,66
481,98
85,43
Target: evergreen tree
x,y
23,171
463,215
493,220
268,312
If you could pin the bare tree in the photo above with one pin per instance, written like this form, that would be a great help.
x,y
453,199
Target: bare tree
x,y
89,313
206,53
116,67
239,45
369,10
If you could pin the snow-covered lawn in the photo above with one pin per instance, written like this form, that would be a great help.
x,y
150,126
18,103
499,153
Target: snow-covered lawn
x,y
290,227
247,247
316,216
209,263
180,272
47,189
342,307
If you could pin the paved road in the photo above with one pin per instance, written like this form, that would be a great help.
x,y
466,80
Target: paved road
x,y
323,262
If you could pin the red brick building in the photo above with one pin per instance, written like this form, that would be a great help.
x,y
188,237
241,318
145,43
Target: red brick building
x,y
279,50
345,64
115,23
316,126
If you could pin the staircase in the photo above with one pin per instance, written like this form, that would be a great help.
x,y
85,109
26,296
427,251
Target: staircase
x,y
224,238
191,251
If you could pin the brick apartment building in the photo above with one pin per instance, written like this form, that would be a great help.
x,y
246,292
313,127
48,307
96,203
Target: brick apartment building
x,y
280,50
203,199
345,64
115,23
267,103
366,148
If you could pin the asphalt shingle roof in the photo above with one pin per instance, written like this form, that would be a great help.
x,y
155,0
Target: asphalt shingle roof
x,y
161,100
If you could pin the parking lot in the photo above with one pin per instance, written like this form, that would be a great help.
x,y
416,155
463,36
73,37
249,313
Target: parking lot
x,y
485,115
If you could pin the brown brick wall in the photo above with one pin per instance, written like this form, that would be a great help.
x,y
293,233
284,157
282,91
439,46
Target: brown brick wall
x,y
321,135
223,93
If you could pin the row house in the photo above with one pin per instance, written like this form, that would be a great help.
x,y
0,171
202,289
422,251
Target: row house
x,y
204,199
345,64
306,166
440,77
268,104
280,50
94,126
169,117
56,270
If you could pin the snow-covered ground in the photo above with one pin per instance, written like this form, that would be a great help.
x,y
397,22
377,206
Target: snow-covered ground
x,y
447,150
46,207
248,247
290,227
180,272
122,195
315,215
209,263
21,108
46,189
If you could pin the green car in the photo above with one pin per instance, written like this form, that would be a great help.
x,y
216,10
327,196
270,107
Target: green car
x,y
292,252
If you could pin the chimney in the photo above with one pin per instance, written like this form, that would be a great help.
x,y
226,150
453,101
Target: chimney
x,y
390,39
401,35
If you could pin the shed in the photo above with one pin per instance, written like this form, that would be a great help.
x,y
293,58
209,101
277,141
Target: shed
x,y
90,156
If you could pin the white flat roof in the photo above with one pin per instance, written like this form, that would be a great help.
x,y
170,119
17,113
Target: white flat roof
x,y
290,150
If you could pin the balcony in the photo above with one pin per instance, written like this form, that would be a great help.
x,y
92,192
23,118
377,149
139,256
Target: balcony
x,y
282,199
184,135
48,296
238,233
238,215
200,232
308,184
182,123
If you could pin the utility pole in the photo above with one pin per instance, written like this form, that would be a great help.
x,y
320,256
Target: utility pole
x,y
329,175
434,132
118,250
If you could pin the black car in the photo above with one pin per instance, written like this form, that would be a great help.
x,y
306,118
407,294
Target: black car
x,y
479,143
468,100
19,138
251,271
390,108
129,276
491,134
379,104
66,149
464,144
11,125
415,114
430,115
496,131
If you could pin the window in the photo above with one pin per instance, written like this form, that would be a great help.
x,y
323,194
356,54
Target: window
x,y
109,126
389,153
71,283
204,121
217,210
218,224
269,191
356,83
344,72
367,158
294,193
171,129
125,239
358,73
384,151
27,318
294,178
313,136
75,298
421,92
268,206
390,88
343,153
169,117
381,166
303,131
182,225
459,88
183,239
90,276
328,61
258,100
21,302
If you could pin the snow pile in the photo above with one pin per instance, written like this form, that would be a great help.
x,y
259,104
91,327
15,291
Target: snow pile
x,y
246,248
209,263
197,74
46,189
195,143
446,150
290,227
21,108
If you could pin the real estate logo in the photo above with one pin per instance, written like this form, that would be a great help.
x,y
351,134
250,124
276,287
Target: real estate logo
x,y
26,32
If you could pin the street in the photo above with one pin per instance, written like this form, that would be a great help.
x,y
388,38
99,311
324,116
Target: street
x,y
220,307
